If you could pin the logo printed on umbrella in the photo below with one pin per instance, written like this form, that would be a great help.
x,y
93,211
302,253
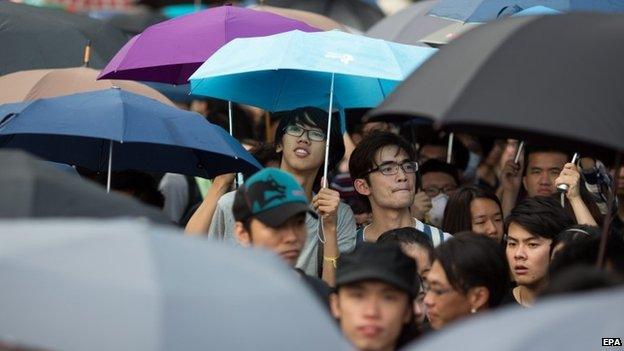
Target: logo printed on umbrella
x,y
344,58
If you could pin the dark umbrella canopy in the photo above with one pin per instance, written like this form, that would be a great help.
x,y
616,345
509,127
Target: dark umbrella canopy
x,y
552,79
356,14
32,188
33,37
146,135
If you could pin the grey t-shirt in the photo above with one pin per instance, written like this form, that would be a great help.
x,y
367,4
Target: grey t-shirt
x,y
222,228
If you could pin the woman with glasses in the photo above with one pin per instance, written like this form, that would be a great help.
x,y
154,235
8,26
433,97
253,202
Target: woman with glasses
x,y
469,275
474,209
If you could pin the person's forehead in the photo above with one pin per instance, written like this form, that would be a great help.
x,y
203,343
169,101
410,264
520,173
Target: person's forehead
x,y
436,274
306,125
517,232
484,206
390,153
437,178
547,159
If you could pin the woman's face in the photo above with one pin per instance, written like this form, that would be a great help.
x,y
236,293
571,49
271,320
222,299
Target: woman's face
x,y
486,218
444,304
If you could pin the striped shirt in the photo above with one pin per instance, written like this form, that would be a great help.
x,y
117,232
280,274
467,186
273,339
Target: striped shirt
x,y
437,236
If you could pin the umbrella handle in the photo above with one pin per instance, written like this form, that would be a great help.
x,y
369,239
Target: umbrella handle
x,y
329,120
110,166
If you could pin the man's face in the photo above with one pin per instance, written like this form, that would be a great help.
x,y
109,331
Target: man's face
x,y
528,256
487,218
444,304
390,191
428,152
371,314
434,183
541,171
286,240
300,154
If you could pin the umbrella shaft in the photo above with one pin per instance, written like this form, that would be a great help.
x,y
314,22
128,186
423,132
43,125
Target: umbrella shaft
x,y
329,120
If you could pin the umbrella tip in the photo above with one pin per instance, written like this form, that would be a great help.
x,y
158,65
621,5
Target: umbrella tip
x,y
87,54
115,87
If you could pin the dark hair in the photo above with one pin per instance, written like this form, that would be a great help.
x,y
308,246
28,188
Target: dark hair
x,y
265,153
140,185
434,165
581,278
460,155
470,260
586,252
579,232
457,214
315,117
541,216
363,157
409,236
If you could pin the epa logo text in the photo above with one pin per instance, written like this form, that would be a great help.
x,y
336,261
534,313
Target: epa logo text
x,y
611,342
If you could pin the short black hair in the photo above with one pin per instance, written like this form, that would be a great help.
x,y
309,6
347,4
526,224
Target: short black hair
x,y
471,260
315,117
363,157
460,156
541,216
581,278
409,236
579,232
457,214
586,252
434,165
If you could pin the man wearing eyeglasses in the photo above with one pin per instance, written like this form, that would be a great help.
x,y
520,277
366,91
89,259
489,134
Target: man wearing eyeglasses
x,y
438,180
384,170
300,141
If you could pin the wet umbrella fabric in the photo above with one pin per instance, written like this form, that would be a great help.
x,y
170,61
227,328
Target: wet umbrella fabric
x,y
169,52
295,69
126,285
32,188
146,135
47,83
564,91
575,323
356,14
489,10
33,38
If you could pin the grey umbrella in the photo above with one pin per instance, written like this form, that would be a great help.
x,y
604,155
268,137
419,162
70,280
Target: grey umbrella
x,y
126,285
574,323
413,24
32,188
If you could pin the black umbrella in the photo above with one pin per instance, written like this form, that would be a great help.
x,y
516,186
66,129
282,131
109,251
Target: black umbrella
x,y
356,14
33,37
32,188
135,22
553,80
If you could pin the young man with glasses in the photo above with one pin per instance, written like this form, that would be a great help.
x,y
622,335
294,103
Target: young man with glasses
x,y
384,170
300,141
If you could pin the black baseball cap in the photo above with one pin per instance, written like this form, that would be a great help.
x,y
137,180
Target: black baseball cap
x,y
271,196
382,262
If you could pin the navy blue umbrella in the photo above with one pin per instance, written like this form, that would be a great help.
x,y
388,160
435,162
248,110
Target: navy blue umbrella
x,y
117,130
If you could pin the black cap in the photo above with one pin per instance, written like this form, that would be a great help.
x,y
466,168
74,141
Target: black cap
x,y
382,262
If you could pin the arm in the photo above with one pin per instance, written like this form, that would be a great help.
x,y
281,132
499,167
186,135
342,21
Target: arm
x,y
326,203
570,176
511,178
201,219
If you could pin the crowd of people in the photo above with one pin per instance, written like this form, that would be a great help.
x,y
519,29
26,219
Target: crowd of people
x,y
407,236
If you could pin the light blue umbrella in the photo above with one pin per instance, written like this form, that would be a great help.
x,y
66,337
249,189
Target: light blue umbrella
x,y
295,69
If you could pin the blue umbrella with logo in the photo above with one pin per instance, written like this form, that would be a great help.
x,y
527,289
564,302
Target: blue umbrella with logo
x,y
294,69
116,130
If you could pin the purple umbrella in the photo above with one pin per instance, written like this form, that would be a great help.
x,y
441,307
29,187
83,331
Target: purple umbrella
x,y
170,51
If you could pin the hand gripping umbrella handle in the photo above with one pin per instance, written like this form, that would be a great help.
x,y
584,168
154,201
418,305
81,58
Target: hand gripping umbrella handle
x,y
563,188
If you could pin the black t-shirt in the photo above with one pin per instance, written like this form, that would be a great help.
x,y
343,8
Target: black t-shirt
x,y
509,299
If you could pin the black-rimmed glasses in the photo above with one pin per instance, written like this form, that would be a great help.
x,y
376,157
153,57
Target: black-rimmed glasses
x,y
297,131
392,168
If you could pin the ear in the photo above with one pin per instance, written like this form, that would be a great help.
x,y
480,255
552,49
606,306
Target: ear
x,y
278,147
478,297
334,305
524,182
361,186
242,235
